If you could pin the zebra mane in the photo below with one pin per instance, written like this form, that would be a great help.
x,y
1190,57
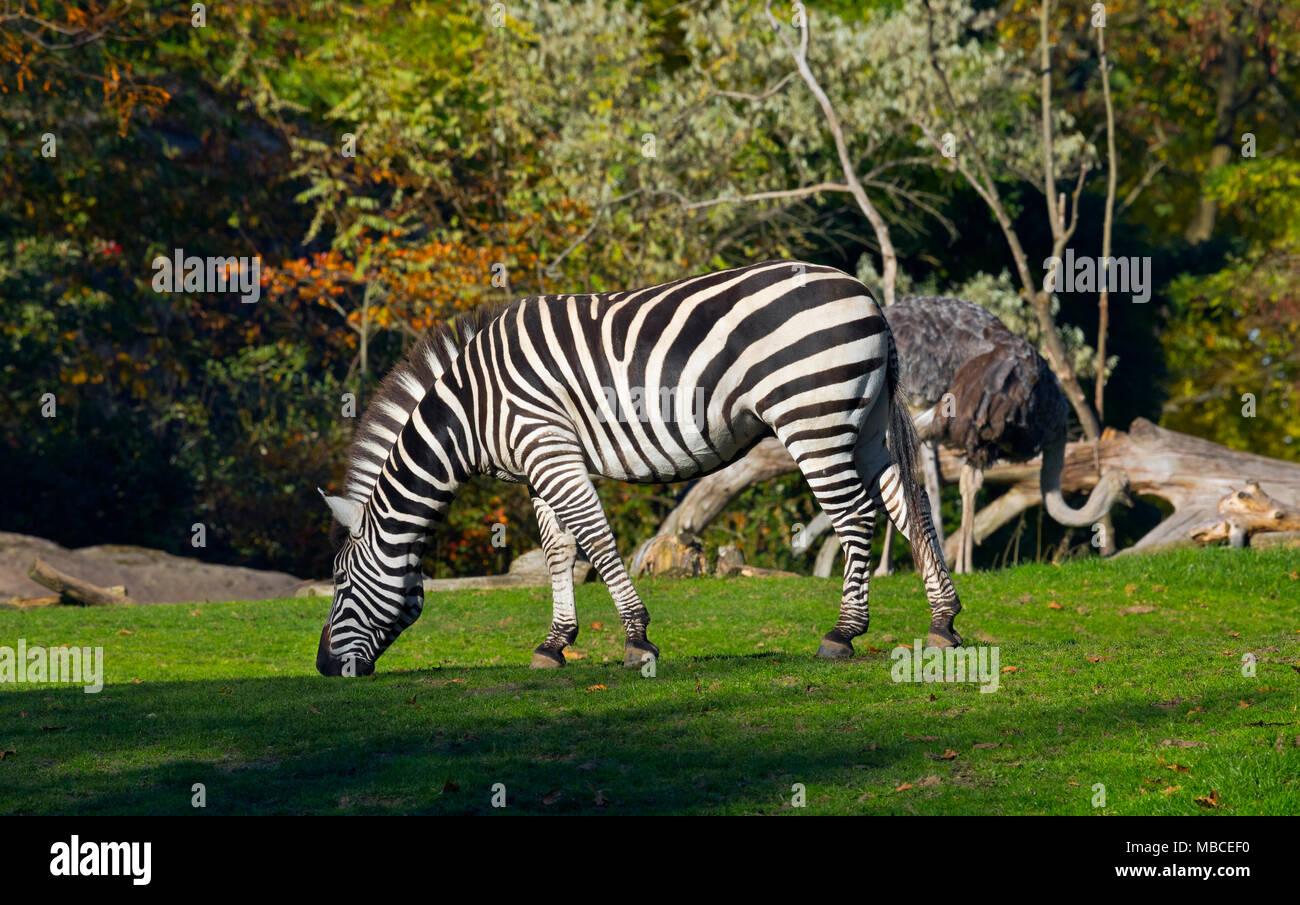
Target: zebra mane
x,y
401,391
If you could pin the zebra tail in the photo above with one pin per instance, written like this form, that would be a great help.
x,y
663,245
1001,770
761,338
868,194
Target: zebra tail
x,y
902,449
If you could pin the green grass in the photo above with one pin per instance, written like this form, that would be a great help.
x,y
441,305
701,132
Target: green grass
x,y
227,695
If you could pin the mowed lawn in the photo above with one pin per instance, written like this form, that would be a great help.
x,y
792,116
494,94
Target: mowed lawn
x,y
1126,673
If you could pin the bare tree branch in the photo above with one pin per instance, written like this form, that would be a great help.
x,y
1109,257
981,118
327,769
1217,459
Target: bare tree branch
x,y
889,260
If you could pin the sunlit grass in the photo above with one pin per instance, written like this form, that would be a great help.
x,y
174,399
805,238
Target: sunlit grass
x,y
1151,703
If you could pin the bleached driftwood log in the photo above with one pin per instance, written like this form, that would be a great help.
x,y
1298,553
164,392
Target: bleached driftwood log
x,y
1191,474
75,588
1245,513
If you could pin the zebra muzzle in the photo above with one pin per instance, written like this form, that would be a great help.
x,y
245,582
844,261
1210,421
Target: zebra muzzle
x,y
329,664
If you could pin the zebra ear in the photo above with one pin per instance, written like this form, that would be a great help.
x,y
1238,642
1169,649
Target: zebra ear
x,y
346,512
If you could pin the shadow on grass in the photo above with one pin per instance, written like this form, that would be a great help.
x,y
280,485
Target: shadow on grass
x,y
714,735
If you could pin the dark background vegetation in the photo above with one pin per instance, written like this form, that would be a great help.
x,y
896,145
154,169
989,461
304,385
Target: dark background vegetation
x,y
223,140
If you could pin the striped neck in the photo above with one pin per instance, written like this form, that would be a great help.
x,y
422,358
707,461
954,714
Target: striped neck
x,y
432,457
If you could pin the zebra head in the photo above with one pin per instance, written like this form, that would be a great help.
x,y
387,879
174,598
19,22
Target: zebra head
x,y
373,603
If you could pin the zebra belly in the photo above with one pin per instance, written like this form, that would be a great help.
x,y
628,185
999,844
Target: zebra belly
x,y
720,445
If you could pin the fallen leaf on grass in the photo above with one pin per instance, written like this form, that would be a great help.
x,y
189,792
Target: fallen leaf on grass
x,y
1097,659
552,796
1208,801
990,745
597,688
125,631
1178,768
1169,790
1011,669
949,754
448,787
597,626
929,782
4,754
1053,605
574,655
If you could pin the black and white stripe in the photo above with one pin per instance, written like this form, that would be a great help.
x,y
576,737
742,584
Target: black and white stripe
x,y
533,392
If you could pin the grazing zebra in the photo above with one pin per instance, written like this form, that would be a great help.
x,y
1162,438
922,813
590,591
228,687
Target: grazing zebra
x,y
539,392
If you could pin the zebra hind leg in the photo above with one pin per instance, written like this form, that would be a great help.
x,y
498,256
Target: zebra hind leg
x,y
916,527
855,528
831,473
560,549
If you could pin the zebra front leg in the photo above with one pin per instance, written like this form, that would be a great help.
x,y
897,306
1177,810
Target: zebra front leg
x,y
560,549
563,482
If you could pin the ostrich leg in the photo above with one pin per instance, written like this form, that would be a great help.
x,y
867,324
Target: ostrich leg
x,y
886,564
969,484
930,466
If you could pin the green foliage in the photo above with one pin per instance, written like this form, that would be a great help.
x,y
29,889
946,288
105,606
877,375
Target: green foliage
x,y
1233,341
573,144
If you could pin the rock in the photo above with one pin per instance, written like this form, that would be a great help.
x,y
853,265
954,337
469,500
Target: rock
x,y
673,556
531,569
731,559
152,576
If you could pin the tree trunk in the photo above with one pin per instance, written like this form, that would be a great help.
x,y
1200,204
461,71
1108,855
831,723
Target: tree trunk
x,y
1225,122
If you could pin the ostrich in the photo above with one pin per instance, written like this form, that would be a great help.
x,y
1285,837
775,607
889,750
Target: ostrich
x,y
1005,403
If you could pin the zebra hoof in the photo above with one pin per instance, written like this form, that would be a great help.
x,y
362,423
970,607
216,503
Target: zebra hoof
x,y
943,635
637,652
546,658
834,647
